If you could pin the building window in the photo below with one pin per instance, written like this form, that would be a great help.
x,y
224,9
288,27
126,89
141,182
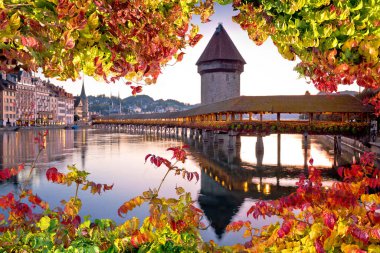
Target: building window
x,y
212,77
227,77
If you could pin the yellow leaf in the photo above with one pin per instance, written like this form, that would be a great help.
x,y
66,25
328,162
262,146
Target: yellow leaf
x,y
14,22
44,223
247,233
373,248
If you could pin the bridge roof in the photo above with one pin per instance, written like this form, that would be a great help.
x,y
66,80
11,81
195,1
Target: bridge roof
x,y
270,104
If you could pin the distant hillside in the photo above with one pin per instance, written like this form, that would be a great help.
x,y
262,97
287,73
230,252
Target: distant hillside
x,y
134,104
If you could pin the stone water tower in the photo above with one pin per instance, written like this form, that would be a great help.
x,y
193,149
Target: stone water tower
x,y
220,66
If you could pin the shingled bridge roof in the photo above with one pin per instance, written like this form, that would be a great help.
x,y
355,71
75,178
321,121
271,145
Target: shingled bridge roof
x,y
269,104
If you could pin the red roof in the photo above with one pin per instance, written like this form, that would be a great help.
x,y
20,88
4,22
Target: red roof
x,y
220,47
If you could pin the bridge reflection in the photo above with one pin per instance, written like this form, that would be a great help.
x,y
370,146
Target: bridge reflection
x,y
227,179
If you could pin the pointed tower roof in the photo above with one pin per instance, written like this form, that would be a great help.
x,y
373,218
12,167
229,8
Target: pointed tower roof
x,y
220,47
83,93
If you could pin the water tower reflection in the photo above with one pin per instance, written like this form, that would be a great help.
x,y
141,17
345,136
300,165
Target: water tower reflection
x,y
229,176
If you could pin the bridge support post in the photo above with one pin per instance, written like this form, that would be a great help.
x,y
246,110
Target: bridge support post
x,y
191,135
196,133
305,142
205,135
215,138
279,150
231,139
337,145
259,150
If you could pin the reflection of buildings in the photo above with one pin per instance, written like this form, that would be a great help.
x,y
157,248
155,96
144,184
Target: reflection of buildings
x,y
80,142
19,147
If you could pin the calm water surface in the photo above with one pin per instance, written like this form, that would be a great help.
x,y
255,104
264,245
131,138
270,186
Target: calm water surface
x,y
231,180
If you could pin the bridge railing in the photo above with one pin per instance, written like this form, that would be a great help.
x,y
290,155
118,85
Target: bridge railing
x,y
247,127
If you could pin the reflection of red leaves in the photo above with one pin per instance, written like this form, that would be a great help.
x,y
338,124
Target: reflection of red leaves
x,y
136,89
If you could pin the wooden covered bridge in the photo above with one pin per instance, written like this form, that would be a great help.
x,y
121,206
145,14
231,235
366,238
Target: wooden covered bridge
x,y
251,115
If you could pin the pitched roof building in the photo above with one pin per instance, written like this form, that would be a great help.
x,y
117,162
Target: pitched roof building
x,y
220,66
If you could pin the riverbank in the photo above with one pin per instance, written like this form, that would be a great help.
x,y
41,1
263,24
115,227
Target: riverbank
x,y
7,129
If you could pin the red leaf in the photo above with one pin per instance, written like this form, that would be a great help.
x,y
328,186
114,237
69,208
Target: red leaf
x,y
285,228
340,171
180,56
107,187
136,89
329,220
359,234
319,246
51,174
195,40
147,156
29,42
196,174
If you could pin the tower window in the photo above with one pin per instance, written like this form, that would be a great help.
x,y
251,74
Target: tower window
x,y
227,77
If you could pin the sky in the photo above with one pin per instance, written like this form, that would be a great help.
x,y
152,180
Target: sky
x,y
266,72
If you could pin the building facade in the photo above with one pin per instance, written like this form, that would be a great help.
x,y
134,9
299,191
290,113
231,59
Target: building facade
x,y
220,66
7,103
28,100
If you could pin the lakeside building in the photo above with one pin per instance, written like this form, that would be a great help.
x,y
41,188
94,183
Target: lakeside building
x,y
28,100
7,103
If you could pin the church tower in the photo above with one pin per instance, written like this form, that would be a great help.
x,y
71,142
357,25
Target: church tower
x,y
84,100
220,66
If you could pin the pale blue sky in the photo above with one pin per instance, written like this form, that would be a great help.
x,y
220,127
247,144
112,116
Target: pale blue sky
x,y
266,72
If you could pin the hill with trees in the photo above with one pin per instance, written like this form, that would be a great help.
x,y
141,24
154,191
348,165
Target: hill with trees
x,y
134,104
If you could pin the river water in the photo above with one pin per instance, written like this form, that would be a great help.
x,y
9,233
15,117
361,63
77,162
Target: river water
x,y
230,180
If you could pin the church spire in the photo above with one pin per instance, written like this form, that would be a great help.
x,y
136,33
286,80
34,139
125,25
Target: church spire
x,y
83,92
